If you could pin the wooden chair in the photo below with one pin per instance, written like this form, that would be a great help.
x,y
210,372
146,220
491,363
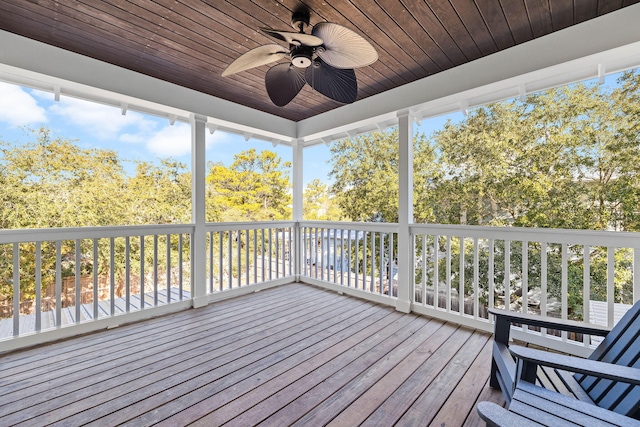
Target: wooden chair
x,y
619,348
535,406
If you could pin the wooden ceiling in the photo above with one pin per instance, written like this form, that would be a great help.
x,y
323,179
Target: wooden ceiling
x,y
190,42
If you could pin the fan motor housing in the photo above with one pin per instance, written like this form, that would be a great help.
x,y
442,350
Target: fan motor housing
x,y
301,56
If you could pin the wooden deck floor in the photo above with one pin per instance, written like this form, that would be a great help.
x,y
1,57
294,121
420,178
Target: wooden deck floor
x,y
289,355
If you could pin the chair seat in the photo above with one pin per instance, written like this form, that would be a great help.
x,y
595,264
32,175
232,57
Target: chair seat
x,y
535,406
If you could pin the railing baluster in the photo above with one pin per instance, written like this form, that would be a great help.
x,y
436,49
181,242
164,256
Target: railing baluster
x,y
127,273
381,265
142,272
586,288
364,261
155,269
448,273
476,278
423,267
525,279
491,275
525,275
342,256
230,254
544,270
58,321
373,262
390,266
565,286
461,277
436,271
168,285
112,277
290,250
180,270
277,238
38,286
316,258
255,255
306,249
507,274
95,279
220,260
16,289
322,254
78,284
239,257
211,269
611,278
335,253
270,255
263,261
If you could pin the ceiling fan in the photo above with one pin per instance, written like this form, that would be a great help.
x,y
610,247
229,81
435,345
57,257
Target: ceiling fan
x,y
324,59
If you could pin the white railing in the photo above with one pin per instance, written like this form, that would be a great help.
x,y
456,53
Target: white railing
x,y
64,277
246,254
461,271
358,257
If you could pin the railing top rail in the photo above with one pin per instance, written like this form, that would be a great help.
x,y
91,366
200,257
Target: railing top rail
x,y
547,235
364,226
52,234
248,225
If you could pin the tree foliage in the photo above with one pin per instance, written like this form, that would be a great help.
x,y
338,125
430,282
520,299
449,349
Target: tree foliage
x,y
256,186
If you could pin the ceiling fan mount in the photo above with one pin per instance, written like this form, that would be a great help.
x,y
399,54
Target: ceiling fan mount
x,y
300,18
324,59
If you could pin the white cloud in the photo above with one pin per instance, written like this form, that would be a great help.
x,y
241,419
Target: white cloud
x,y
218,137
103,121
171,141
19,108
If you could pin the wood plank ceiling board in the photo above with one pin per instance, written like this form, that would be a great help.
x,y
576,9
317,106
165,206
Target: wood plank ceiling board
x,y
191,42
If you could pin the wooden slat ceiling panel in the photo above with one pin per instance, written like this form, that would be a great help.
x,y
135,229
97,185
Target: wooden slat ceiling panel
x,y
190,42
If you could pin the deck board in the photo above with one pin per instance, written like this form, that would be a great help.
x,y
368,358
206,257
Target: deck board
x,y
294,354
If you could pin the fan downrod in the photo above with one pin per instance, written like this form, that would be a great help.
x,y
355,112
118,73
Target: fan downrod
x,y
300,18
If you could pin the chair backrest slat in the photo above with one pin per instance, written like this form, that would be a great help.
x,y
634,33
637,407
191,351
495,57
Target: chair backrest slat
x,y
621,346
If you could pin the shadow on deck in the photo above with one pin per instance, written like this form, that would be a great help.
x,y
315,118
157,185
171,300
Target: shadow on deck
x,y
69,315
294,354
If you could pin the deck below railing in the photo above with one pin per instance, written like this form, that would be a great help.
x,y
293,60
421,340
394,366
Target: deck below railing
x,y
294,354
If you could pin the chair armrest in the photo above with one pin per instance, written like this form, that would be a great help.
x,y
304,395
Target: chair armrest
x,y
575,364
550,322
496,416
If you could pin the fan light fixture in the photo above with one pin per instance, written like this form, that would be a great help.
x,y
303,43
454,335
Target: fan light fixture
x,y
324,59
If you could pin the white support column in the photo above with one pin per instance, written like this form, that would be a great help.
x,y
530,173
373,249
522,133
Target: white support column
x,y
198,210
405,211
298,194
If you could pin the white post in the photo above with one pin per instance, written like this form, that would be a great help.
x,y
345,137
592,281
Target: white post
x,y
298,194
405,211
198,211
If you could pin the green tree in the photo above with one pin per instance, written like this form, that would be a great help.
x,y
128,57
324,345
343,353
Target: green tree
x,y
255,187
53,183
365,170
159,194
318,203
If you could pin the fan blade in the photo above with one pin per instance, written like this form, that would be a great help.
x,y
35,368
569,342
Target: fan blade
x,y
342,47
256,57
295,39
283,82
335,83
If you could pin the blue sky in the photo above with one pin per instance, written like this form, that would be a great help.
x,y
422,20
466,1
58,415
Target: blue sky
x,y
137,136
